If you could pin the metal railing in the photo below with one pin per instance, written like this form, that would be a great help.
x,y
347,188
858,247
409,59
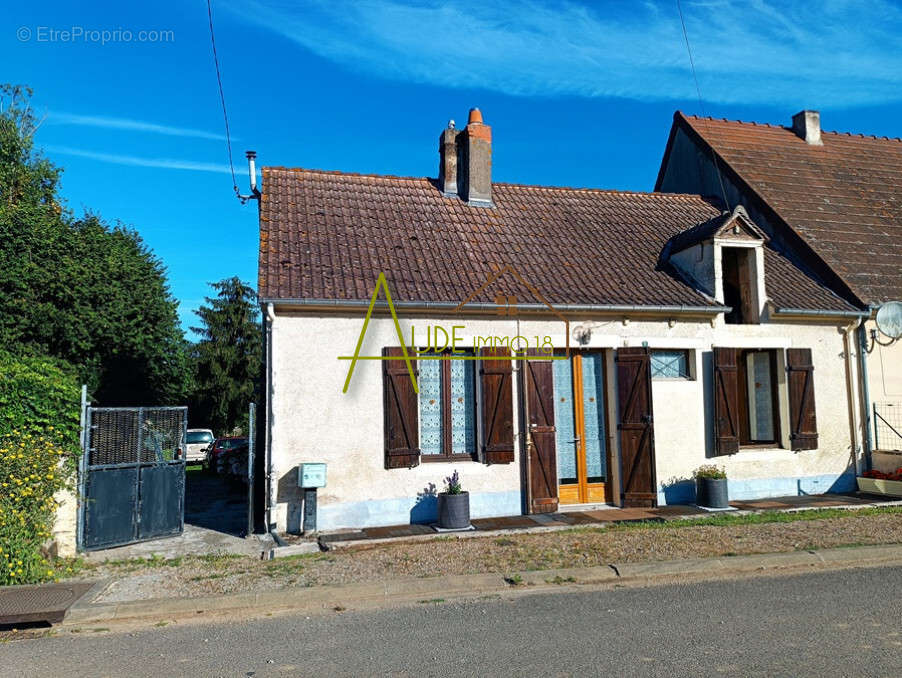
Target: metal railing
x,y
887,426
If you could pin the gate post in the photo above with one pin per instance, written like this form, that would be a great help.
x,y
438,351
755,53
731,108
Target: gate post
x,y
84,422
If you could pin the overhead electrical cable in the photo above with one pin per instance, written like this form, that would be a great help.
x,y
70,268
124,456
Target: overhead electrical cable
x,y
225,115
701,105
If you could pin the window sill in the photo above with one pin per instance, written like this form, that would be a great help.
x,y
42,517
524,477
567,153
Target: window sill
x,y
437,458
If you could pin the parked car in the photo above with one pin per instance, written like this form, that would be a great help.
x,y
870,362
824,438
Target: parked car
x,y
199,440
218,458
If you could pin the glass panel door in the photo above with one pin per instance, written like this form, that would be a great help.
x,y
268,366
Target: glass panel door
x,y
581,433
593,417
565,432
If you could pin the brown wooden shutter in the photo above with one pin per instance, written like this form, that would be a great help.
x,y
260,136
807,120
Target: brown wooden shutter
x,y
800,375
539,385
401,406
497,405
636,426
726,401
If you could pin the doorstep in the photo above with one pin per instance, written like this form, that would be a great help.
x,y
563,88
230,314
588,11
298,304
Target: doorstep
x,y
568,519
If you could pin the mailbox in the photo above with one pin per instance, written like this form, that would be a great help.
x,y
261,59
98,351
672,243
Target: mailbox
x,y
311,475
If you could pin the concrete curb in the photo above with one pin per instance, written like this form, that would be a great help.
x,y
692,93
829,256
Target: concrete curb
x,y
442,589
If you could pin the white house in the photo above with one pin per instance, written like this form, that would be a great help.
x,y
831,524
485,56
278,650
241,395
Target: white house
x,y
833,201
651,333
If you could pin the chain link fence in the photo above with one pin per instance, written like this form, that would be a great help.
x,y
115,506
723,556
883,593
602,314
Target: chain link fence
x,y
888,426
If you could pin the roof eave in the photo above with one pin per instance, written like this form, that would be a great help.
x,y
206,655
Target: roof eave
x,y
487,307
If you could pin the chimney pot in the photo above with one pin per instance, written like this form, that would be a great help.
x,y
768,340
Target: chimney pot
x,y
807,125
465,165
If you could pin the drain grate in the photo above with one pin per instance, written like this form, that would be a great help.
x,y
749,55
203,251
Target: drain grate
x,y
20,604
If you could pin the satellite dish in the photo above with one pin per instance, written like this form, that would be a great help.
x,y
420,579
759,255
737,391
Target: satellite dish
x,y
889,319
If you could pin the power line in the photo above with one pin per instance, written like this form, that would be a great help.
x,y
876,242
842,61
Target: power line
x,y
225,115
701,106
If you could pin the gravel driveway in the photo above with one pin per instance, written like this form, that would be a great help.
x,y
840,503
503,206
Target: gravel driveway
x,y
445,555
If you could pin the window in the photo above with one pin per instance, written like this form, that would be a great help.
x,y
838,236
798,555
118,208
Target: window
x,y
747,395
670,364
447,406
739,285
759,419
196,437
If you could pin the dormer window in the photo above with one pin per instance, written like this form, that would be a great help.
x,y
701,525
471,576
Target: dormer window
x,y
724,258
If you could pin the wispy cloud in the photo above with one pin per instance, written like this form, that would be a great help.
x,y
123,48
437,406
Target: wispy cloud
x,y
841,53
137,161
107,122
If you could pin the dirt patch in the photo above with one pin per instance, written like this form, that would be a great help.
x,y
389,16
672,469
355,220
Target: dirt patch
x,y
445,555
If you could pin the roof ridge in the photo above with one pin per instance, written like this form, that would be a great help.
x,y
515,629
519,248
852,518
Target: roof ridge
x,y
860,135
546,187
754,123
372,175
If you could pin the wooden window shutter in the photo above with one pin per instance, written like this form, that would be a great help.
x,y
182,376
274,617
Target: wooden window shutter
x,y
401,407
800,375
497,405
726,401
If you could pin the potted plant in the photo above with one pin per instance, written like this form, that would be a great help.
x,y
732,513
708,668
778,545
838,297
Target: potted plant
x,y
453,505
711,486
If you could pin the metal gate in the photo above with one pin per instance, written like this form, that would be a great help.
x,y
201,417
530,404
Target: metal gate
x,y
132,475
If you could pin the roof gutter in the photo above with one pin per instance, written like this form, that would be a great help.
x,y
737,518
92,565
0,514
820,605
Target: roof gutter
x,y
346,304
820,313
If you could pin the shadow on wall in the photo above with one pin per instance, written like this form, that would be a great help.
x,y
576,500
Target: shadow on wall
x,y
288,492
679,491
426,508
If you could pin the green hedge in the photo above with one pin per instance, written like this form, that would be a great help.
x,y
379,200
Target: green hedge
x,y
39,427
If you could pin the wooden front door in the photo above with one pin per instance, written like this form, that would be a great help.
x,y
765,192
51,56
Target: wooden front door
x,y
542,482
636,427
582,451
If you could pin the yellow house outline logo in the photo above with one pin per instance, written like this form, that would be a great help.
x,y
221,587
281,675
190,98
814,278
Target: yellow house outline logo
x,y
506,307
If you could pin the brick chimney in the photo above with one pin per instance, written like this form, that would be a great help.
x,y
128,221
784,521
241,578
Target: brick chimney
x,y
447,167
807,125
465,161
477,161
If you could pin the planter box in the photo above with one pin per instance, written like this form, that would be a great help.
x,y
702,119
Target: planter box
x,y
893,488
454,511
712,492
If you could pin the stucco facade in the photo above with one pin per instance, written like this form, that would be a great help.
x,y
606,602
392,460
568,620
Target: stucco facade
x,y
884,369
312,420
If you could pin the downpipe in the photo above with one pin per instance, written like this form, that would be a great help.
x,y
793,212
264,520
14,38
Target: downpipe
x,y
848,344
865,393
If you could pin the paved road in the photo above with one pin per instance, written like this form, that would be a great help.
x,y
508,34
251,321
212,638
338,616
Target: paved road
x,y
846,623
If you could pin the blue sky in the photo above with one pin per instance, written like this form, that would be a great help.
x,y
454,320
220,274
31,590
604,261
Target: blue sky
x,y
577,95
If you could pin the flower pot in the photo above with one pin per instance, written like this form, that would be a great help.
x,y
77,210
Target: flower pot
x,y
454,511
712,492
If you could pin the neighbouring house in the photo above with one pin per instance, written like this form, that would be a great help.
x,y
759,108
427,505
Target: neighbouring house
x,y
833,202
659,332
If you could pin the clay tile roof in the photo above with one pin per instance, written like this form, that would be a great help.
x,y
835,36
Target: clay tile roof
x,y
327,235
843,198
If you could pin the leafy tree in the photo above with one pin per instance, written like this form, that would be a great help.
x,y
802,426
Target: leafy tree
x,y
227,358
75,288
